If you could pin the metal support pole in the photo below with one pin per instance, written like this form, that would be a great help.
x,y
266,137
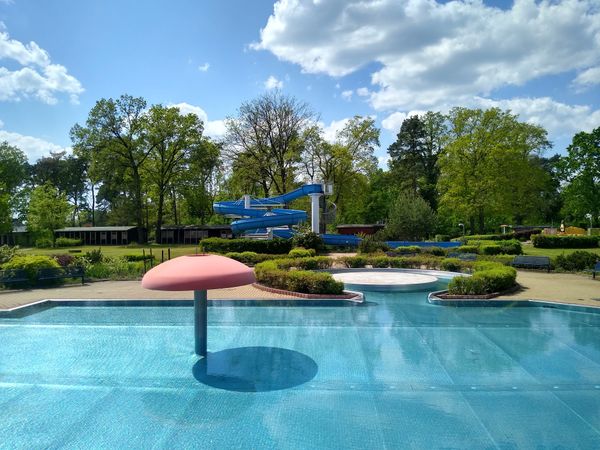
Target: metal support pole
x,y
200,321
315,212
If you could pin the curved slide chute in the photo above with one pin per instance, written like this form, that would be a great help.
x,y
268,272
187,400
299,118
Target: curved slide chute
x,y
263,212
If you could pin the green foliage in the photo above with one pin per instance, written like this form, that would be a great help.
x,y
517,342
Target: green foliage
x,y
576,261
7,252
48,210
405,250
410,218
550,241
44,243
354,262
468,249
132,258
312,263
31,264
488,278
64,260
301,252
452,264
252,258
371,244
309,240
276,274
114,269
435,251
442,238
220,245
67,242
94,256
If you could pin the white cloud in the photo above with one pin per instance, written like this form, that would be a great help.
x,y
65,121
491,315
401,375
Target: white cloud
x,y
335,126
588,77
204,67
430,54
34,148
394,121
363,92
347,95
212,128
273,83
37,78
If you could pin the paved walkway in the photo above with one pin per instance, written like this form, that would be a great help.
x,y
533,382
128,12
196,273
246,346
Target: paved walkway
x,y
556,287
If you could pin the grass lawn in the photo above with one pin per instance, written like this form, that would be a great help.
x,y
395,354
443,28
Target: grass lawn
x,y
529,249
116,250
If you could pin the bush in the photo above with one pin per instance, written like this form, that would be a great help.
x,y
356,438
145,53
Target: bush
x,y
253,258
452,264
67,242
501,259
271,273
409,218
7,252
312,263
309,240
511,247
114,269
551,241
576,261
93,256
411,249
64,260
379,262
468,249
221,245
354,262
301,252
371,244
436,251
442,238
490,249
31,264
488,278
44,243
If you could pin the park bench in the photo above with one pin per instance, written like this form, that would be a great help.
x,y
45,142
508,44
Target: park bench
x,y
56,274
531,262
463,256
9,276
596,269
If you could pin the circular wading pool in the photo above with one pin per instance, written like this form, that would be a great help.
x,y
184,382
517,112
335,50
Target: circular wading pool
x,y
386,281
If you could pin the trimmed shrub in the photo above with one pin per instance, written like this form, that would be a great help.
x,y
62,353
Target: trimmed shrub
x,y
468,249
501,259
451,264
221,245
490,249
354,262
31,264
272,273
66,242
44,243
576,261
313,263
371,244
132,258
301,252
252,258
405,250
308,240
488,277
379,262
94,256
511,247
551,241
436,251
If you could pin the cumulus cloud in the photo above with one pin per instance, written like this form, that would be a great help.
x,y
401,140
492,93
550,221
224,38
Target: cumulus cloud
x,y
347,95
331,131
37,77
34,148
273,83
204,67
430,53
362,92
212,128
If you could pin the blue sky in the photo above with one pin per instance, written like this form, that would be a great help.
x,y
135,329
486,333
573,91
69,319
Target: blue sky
x,y
387,59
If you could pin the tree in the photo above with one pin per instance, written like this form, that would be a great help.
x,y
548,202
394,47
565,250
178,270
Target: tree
x,y
48,210
414,154
265,137
171,136
13,174
114,137
410,218
580,169
486,169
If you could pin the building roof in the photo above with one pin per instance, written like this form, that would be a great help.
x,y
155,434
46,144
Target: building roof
x,y
70,229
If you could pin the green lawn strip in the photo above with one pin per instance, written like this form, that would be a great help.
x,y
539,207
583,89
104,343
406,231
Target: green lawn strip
x,y
529,249
117,251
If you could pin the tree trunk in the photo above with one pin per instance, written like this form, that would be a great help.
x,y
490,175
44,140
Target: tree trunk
x,y
159,218
472,224
93,204
481,221
137,189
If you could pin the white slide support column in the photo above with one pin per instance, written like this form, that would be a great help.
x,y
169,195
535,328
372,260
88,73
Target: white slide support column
x,y
315,212
247,201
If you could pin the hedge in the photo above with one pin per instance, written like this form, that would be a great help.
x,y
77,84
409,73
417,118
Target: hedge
x,y
220,245
274,274
488,277
551,241
252,258
577,261
31,264
66,242
301,252
407,262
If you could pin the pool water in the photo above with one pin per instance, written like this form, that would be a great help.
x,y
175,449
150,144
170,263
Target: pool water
x,y
396,373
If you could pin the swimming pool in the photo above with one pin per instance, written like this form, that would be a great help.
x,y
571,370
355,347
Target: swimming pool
x,y
395,373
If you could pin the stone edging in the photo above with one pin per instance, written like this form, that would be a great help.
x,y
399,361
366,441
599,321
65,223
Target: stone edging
x,y
350,296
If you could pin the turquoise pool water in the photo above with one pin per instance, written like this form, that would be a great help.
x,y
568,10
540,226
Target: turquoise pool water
x,y
397,373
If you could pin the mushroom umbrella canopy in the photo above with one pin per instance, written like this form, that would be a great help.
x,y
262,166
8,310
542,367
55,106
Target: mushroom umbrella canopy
x,y
198,273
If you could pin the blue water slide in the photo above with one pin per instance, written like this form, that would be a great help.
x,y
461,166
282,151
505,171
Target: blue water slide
x,y
268,216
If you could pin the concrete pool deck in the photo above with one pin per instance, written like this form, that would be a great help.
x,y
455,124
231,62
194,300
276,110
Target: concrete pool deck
x,y
553,287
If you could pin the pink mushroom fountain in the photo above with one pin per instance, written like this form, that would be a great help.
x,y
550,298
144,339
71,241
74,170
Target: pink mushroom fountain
x,y
198,273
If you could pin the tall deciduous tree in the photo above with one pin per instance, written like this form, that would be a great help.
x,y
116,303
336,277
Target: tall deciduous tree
x,y
13,174
581,171
171,136
48,210
115,137
487,168
265,137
